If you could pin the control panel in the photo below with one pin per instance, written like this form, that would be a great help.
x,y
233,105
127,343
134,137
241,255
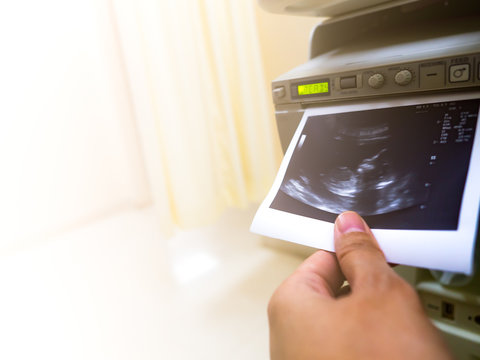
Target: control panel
x,y
434,74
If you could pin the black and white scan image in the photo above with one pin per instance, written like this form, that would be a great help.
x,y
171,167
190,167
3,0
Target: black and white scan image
x,y
400,168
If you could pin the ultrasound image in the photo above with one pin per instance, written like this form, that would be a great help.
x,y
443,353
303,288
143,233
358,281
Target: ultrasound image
x,y
402,167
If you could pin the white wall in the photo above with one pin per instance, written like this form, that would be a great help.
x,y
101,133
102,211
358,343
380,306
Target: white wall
x,y
284,40
69,151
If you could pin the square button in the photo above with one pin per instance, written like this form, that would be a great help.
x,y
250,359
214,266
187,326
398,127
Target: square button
x,y
348,82
432,76
459,73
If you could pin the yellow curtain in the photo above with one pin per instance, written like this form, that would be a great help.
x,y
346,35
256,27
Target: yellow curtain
x,y
195,67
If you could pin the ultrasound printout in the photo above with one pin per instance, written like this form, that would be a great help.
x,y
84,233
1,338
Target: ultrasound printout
x,y
401,167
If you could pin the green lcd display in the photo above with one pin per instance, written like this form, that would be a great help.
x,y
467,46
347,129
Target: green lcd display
x,y
317,88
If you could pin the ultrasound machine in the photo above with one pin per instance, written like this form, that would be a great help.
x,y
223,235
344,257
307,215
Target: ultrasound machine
x,y
395,52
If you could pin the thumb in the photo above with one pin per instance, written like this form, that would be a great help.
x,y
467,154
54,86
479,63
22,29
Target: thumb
x,y
359,255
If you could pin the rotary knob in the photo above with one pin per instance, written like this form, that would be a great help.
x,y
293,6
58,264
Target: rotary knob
x,y
376,81
403,77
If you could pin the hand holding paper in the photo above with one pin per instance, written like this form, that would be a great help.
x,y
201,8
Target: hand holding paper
x,y
381,318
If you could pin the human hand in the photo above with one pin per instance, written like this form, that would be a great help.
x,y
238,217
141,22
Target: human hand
x,y
381,318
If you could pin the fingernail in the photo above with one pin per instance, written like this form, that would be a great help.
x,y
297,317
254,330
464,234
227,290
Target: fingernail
x,y
349,222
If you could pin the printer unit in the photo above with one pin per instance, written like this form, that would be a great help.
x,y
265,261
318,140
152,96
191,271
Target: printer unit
x,y
379,49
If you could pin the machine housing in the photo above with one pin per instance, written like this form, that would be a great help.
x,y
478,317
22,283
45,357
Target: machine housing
x,y
393,49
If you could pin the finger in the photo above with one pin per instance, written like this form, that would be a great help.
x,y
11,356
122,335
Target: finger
x,y
321,273
359,255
